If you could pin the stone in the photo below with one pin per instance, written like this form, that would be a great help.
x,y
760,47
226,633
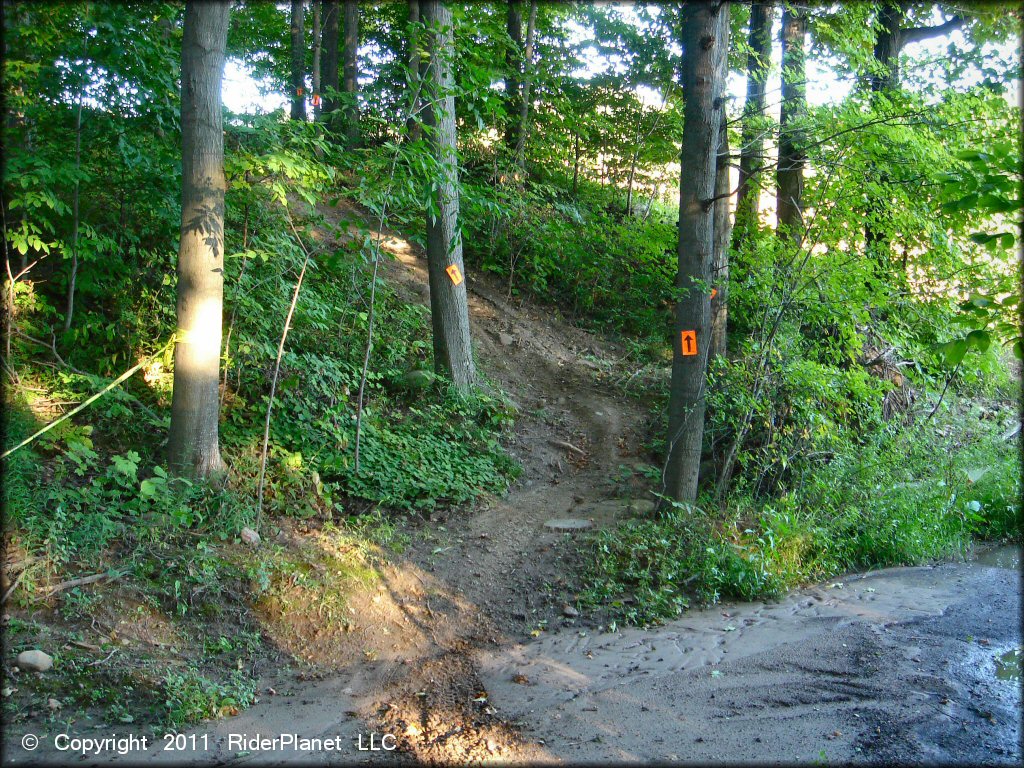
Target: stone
x,y
34,661
569,611
506,339
250,537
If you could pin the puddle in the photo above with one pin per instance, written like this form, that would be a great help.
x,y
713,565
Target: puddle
x,y
1001,556
1008,666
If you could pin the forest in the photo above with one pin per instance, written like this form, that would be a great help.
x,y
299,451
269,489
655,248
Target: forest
x,y
353,341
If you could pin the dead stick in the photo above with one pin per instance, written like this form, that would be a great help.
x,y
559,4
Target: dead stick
x,y
80,582
568,446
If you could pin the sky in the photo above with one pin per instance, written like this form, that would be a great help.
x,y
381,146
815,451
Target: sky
x,y
242,92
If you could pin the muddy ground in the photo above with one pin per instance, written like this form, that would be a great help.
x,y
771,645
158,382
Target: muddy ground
x,y
470,648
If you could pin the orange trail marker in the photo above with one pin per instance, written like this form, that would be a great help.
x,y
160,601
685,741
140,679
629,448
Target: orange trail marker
x,y
454,274
689,343
714,292
316,99
298,91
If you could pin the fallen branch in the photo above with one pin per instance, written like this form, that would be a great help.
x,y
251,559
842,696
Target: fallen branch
x,y
567,446
82,581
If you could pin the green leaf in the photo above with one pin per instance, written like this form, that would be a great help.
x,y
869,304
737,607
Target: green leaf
x,y
979,339
953,352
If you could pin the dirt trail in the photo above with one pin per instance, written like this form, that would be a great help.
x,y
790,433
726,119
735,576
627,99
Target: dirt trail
x,y
470,650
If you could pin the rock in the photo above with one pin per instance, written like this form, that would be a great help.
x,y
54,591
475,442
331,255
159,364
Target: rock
x,y
53,704
34,661
568,610
416,380
642,507
506,339
250,537
568,524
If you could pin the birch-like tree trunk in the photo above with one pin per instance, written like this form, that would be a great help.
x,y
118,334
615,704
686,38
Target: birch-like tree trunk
x,y
524,106
722,239
704,40
193,444
449,307
298,60
412,125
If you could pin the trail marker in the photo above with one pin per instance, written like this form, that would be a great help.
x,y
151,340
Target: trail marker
x,y
316,99
689,343
714,292
298,91
454,274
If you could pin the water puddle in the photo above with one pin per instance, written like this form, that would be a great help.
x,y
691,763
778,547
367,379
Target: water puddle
x,y
1008,666
999,556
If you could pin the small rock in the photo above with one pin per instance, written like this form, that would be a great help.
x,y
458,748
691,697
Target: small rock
x,y
506,339
34,661
6,692
53,704
568,610
568,524
492,746
250,537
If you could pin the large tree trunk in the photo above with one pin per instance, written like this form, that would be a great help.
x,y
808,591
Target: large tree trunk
x,y
723,235
193,446
329,61
705,40
790,175
759,40
453,351
513,83
298,60
524,106
413,129
350,83
317,47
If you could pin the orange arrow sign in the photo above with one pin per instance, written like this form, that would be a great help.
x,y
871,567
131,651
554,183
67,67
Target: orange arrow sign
x,y
454,274
689,343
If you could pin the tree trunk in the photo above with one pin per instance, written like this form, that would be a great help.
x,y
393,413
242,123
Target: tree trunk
x,y
629,182
351,72
453,351
413,128
759,40
193,446
317,47
513,84
705,40
524,106
329,60
298,60
790,174
69,310
723,235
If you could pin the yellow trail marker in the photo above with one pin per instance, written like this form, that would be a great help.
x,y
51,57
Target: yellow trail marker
x,y
454,274
689,343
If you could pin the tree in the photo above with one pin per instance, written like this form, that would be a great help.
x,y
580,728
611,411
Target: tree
x,y
513,79
298,60
350,82
193,444
792,158
723,235
524,106
415,58
704,41
449,307
329,63
317,48
759,42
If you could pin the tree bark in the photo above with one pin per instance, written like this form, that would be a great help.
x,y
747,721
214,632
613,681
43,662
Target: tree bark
x,y
704,40
350,84
317,47
792,158
888,42
449,307
759,40
69,310
513,83
413,129
723,235
193,444
298,60
524,105
576,164
329,60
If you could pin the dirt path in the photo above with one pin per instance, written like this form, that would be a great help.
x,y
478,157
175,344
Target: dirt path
x,y
469,649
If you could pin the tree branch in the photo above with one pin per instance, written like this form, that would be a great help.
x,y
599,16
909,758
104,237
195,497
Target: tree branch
x,y
916,34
